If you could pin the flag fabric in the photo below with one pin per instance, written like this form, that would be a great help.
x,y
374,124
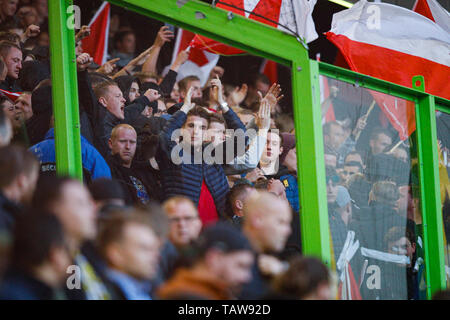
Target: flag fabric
x,y
270,69
97,42
433,11
11,95
200,62
294,17
394,44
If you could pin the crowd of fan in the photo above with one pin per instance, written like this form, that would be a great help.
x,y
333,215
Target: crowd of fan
x,y
141,226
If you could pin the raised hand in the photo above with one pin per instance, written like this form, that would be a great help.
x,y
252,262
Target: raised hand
x,y
218,84
273,96
108,67
83,61
84,32
32,31
263,116
181,58
188,105
164,35
152,95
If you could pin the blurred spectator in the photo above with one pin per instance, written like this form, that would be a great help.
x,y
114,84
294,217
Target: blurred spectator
x,y
41,7
71,202
7,9
108,196
218,268
23,103
259,82
6,132
184,222
18,176
350,168
333,137
125,47
40,259
330,157
237,197
267,225
306,279
130,248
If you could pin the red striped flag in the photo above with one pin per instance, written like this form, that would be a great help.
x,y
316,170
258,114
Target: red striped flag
x,y
394,44
97,42
12,95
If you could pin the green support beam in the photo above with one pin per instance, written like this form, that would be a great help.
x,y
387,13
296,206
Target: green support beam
x,y
310,159
252,36
430,192
64,90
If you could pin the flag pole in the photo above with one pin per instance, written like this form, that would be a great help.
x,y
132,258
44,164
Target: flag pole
x,y
365,116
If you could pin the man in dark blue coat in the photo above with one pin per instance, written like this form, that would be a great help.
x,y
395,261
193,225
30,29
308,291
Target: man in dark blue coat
x,y
182,173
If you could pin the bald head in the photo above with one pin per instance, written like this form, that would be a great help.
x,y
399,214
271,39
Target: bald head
x,y
267,222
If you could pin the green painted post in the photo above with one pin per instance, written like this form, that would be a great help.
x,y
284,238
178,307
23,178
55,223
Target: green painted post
x,y
310,159
64,90
430,191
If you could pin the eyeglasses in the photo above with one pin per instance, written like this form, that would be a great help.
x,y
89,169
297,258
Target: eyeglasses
x,y
179,219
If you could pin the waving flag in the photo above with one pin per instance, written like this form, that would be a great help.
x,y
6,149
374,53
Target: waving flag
x,y
97,42
394,44
200,62
294,17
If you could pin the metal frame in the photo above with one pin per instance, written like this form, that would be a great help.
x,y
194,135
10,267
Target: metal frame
x,y
262,40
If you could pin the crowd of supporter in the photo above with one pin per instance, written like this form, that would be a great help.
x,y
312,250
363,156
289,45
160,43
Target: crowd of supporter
x,y
154,218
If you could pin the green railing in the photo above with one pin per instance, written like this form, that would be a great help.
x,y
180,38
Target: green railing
x,y
262,40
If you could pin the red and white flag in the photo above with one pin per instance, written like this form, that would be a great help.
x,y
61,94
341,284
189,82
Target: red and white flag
x,y
270,69
200,62
433,11
394,44
11,95
97,42
294,17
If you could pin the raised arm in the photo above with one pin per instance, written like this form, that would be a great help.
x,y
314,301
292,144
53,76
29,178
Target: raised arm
x,y
164,35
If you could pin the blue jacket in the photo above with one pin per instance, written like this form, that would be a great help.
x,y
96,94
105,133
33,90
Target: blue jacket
x,y
186,179
291,185
94,166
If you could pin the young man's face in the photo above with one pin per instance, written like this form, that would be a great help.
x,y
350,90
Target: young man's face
x,y
23,103
124,144
348,172
336,137
13,61
275,225
76,210
195,130
235,268
9,7
161,109
273,148
114,102
197,89
332,188
134,92
139,251
402,247
128,44
330,160
216,132
13,113
380,144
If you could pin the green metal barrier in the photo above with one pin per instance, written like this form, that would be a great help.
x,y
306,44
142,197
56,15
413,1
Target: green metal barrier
x,y
262,40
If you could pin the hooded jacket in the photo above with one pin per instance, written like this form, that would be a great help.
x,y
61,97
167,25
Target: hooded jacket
x,y
94,166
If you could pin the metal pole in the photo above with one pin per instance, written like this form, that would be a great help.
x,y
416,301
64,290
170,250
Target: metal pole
x,y
430,196
64,89
310,159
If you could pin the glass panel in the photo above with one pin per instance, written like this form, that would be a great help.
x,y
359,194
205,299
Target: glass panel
x,y
373,192
443,134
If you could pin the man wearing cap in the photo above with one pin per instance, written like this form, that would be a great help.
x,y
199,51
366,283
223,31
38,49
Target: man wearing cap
x,y
220,265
